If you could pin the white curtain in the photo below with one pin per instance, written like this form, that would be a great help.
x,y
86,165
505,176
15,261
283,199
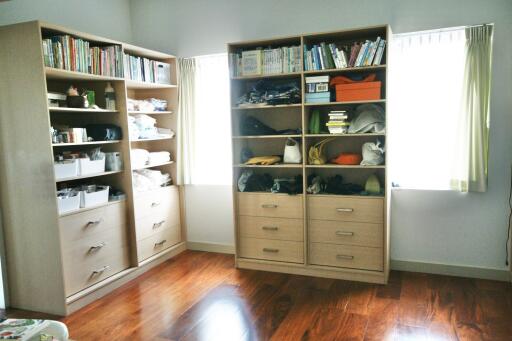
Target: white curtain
x,y
186,120
426,77
472,145
204,121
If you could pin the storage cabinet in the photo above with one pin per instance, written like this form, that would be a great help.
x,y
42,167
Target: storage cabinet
x,y
337,230
76,253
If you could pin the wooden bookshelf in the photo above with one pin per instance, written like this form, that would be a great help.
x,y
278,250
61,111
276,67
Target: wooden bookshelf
x,y
304,213
39,252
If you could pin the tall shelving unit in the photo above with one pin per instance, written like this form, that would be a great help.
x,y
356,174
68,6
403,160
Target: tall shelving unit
x,y
325,235
57,263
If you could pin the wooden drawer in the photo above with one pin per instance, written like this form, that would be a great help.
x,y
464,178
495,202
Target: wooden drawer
x,y
158,242
271,228
79,276
162,199
92,223
277,250
347,233
152,224
345,256
370,210
270,205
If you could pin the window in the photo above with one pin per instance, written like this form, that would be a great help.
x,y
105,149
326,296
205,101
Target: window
x,y
212,129
426,79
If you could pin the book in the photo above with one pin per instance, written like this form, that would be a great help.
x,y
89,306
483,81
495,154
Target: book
x,y
251,63
380,52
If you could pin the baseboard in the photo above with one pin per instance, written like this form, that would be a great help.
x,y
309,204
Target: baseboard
x,y
452,270
211,247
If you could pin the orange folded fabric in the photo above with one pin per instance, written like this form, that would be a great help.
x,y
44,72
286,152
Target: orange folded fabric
x,y
348,159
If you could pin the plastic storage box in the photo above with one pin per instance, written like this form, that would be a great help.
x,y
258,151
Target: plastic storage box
x,y
98,195
318,97
68,203
362,91
65,169
88,166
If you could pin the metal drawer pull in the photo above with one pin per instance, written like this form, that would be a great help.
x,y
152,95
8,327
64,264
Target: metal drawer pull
x,y
160,243
265,249
157,225
269,206
344,233
100,271
94,223
155,204
270,228
97,247
344,257
345,209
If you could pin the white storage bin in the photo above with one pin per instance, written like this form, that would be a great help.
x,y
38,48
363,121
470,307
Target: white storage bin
x,y
88,166
98,197
65,169
70,203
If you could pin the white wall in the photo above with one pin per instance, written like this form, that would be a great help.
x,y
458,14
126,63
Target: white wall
x,y
110,19
427,226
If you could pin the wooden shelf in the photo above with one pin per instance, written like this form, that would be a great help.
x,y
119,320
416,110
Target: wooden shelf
x,y
346,166
53,73
154,165
88,176
150,112
154,139
274,75
240,137
132,84
82,209
344,103
345,135
281,165
295,105
85,143
81,110
347,69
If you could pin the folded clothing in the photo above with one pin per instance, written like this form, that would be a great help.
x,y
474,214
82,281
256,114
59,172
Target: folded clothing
x,y
148,179
139,158
263,160
159,157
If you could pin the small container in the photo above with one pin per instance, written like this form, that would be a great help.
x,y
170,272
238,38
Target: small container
x,y
88,166
68,200
65,169
93,196
75,101
163,73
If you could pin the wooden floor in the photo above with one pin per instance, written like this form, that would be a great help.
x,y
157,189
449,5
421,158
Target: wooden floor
x,y
201,296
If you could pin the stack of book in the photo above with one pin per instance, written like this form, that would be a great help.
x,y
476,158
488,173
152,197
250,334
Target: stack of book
x,y
145,70
74,54
331,56
337,123
258,62
317,89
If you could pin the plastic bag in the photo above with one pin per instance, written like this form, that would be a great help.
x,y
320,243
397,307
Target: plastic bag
x,y
369,118
316,154
292,152
373,154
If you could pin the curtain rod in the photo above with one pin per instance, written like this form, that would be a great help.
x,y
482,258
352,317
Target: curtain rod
x,y
448,29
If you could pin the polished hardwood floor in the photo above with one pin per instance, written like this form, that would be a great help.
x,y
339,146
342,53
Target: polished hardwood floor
x,y
201,296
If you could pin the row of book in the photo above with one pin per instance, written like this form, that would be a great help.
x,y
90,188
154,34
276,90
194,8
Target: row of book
x,y
265,61
64,134
330,56
146,70
75,54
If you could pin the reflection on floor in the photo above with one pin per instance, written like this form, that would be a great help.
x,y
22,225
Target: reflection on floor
x,y
201,296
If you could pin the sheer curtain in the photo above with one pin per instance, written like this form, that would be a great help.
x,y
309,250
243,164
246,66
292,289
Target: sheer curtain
x,y
426,78
471,156
204,120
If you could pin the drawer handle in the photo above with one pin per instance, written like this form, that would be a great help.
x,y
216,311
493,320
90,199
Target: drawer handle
x,y
160,243
346,257
266,249
270,228
100,271
157,225
269,206
155,204
345,209
344,233
97,247
94,223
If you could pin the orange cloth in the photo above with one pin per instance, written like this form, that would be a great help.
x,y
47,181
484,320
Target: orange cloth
x,y
345,80
348,159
